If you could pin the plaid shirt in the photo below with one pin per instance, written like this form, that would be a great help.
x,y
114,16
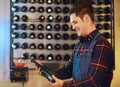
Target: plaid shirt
x,y
101,66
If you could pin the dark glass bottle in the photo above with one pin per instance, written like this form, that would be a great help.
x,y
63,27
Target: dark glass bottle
x,y
65,27
107,2
108,10
41,46
49,1
66,18
32,27
108,18
65,36
41,1
15,35
32,46
40,27
99,26
41,9
58,1
57,36
15,1
65,1
15,8
49,27
57,27
57,46
58,57
49,57
23,26
66,47
65,10
74,36
49,36
32,9
40,35
24,8
49,46
99,18
107,26
99,10
49,10
15,45
50,18
92,1
41,57
32,1
24,35
99,2
15,26
25,18
42,18
16,18
57,10
33,56
66,57
25,56
107,35
23,1
24,45
32,36
58,18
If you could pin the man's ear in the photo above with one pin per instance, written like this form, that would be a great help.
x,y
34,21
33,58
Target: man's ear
x,y
86,18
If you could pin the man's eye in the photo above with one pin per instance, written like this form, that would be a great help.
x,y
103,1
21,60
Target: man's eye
x,y
75,22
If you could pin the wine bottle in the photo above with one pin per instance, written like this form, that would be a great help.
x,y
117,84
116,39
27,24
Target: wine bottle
x,y
32,36
25,56
74,36
57,36
24,45
33,56
66,18
15,1
58,2
25,18
108,18
58,57
50,57
40,27
49,1
65,10
49,46
41,1
42,18
24,35
24,1
65,27
98,10
107,35
58,18
49,27
40,35
57,46
40,46
108,10
57,10
57,27
15,45
65,1
40,9
15,8
50,18
99,18
49,10
41,57
32,46
23,26
65,36
66,57
66,47
99,2
15,26
24,8
107,26
49,36
99,26
15,35
32,27
32,9
16,18
108,2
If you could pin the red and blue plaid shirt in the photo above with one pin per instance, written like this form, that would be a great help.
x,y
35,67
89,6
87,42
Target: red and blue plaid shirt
x,y
101,66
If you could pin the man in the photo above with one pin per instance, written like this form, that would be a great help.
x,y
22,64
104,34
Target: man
x,y
92,60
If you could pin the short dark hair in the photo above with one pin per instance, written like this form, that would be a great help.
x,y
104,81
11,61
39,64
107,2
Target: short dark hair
x,y
82,8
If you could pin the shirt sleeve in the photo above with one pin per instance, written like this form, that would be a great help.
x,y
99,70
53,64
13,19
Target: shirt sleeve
x,y
100,73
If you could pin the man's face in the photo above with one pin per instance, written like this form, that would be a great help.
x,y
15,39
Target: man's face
x,y
78,24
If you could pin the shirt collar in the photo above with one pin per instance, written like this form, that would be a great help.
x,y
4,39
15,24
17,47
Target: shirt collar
x,y
89,37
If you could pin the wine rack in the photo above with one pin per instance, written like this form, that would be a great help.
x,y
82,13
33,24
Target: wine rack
x,y
41,29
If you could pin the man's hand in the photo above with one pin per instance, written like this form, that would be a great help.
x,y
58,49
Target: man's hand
x,y
58,82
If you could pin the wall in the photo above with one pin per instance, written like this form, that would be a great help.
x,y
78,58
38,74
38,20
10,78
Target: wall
x,y
36,81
